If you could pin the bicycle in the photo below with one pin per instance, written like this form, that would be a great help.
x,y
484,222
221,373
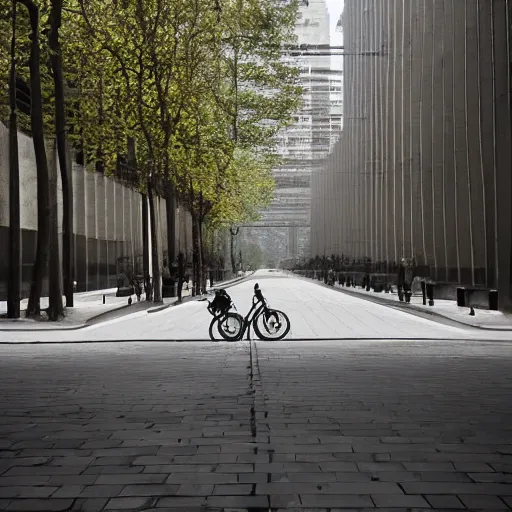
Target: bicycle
x,y
275,325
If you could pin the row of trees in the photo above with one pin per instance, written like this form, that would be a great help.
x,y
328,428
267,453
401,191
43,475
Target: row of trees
x,y
190,92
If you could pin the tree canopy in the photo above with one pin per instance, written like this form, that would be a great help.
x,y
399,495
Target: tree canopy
x,y
200,86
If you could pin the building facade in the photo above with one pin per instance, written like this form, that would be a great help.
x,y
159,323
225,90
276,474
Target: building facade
x,y
306,143
107,222
423,168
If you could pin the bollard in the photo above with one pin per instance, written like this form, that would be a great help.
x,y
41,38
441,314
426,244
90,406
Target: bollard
x,y
493,300
461,297
103,298
471,311
430,293
424,292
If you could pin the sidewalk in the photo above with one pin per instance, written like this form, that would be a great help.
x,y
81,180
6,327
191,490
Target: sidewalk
x,y
448,309
310,427
89,307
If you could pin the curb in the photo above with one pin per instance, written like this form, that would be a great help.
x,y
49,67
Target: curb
x,y
189,298
412,309
94,319
73,327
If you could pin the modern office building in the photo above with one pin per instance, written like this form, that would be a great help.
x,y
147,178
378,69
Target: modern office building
x,y
305,144
423,169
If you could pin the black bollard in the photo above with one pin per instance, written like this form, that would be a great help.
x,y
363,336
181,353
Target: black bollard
x,y
430,293
103,298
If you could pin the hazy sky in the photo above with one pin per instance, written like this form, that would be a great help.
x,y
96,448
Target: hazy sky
x,y
335,7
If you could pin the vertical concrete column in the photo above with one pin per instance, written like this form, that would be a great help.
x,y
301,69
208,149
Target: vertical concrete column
x,y
476,193
339,197
91,231
365,137
406,130
377,44
79,225
437,208
137,229
360,127
4,181
426,134
127,235
28,211
502,62
119,221
390,148
487,111
314,215
384,113
398,128
101,231
163,227
110,234
450,168
352,122
461,146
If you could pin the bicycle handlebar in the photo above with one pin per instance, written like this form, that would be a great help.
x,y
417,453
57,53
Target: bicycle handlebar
x,y
258,294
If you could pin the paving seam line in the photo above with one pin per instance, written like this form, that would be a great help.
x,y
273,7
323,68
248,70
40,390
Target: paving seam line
x,y
407,308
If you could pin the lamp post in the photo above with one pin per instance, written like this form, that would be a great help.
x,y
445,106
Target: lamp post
x,y
14,282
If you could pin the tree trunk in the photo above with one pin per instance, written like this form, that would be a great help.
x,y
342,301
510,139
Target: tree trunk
x,y
145,247
68,248
157,281
55,309
204,259
170,209
43,206
181,273
14,283
196,255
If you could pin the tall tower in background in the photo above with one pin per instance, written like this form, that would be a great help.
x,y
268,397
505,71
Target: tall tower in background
x,y
284,229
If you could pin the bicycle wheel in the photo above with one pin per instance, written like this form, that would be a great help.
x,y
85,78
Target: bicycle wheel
x,y
231,326
212,329
271,324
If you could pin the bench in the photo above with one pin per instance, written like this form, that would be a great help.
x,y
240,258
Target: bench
x,y
124,291
169,289
480,297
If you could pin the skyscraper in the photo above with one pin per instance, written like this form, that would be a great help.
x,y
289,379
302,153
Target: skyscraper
x,y
423,168
306,143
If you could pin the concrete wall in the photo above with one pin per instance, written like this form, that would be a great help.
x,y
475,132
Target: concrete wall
x,y
107,221
423,169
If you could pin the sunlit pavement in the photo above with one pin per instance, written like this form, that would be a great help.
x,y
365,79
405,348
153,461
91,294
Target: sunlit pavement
x,y
315,312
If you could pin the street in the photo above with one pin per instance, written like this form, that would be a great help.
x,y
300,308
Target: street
x,y
315,312
318,425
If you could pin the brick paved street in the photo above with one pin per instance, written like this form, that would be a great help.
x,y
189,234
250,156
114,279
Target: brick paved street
x,y
292,425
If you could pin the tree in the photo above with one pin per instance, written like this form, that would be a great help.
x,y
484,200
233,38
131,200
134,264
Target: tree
x,y
43,192
62,150
13,298
264,87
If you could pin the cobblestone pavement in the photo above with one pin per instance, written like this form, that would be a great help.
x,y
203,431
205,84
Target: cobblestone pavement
x,y
317,426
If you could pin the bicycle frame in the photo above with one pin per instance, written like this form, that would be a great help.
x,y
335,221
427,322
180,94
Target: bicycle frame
x,y
257,307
